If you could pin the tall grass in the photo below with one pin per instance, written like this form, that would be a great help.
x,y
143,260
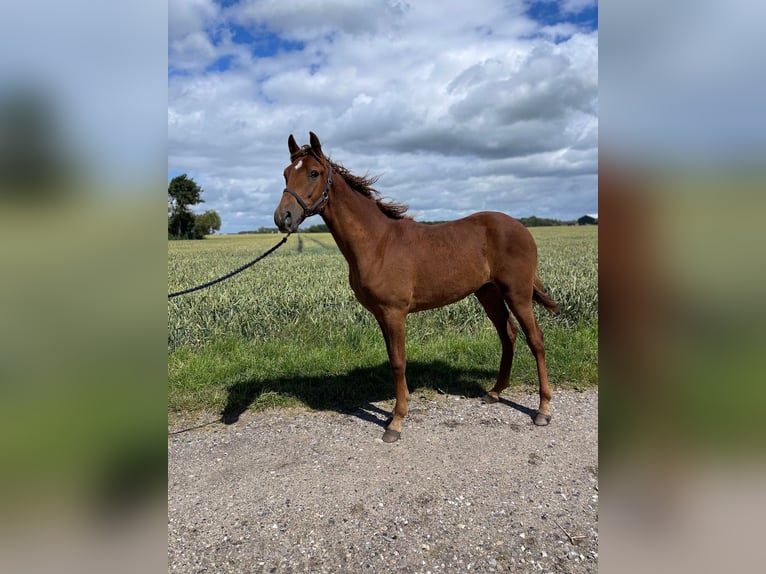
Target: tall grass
x,y
293,317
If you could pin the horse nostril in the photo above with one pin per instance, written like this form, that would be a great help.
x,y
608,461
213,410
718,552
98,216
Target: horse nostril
x,y
288,218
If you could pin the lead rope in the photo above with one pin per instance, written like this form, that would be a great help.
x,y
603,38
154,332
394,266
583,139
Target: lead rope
x,y
231,273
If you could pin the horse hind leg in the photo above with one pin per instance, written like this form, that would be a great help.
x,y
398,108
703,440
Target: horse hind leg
x,y
521,307
491,298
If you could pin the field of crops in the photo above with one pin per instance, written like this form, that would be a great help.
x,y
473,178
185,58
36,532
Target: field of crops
x,y
289,330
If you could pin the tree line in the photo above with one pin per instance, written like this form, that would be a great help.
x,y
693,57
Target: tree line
x,y
184,192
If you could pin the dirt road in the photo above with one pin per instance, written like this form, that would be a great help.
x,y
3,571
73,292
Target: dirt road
x,y
469,488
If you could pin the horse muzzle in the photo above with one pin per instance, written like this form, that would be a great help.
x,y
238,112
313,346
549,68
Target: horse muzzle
x,y
288,220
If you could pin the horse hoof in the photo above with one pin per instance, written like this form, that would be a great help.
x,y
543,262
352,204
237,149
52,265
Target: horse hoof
x,y
391,435
489,399
542,420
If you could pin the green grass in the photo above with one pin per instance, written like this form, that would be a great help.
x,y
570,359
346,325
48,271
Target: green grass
x,y
290,332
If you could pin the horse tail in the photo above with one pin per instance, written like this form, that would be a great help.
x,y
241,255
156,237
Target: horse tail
x,y
540,296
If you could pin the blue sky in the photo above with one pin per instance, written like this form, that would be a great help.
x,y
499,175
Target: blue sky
x,y
459,107
584,14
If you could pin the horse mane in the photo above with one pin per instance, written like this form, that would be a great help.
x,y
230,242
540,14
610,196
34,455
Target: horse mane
x,y
362,185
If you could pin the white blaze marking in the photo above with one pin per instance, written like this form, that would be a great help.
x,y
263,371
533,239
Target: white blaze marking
x,y
299,164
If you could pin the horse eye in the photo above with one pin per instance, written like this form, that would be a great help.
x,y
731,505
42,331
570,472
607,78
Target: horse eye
x,y
314,173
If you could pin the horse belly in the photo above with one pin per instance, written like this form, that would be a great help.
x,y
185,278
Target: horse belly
x,y
447,282
378,290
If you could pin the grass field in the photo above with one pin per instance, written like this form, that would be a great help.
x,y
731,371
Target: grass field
x,y
289,330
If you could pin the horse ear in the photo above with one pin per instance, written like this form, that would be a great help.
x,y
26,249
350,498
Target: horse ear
x,y
291,145
315,145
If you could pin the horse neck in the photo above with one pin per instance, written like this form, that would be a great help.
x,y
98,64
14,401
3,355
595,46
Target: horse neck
x,y
354,220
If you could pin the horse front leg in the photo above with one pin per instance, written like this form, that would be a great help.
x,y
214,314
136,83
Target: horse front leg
x,y
393,325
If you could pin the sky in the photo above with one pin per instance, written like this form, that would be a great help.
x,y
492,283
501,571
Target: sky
x,y
458,106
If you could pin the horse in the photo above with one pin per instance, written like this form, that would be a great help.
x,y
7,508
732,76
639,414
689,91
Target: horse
x,y
399,266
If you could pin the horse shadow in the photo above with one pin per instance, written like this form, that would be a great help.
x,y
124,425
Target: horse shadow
x,y
354,392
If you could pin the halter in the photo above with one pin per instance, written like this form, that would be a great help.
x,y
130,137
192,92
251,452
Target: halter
x,y
314,209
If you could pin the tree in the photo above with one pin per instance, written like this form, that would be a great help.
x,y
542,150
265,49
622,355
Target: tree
x,y
206,224
183,191
181,225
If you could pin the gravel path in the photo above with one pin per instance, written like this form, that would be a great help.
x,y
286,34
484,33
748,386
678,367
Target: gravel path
x,y
469,487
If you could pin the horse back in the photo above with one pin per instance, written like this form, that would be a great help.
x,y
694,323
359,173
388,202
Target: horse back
x,y
486,235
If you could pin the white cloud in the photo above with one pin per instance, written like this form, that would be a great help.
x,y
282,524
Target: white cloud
x,y
461,107
193,51
576,6
190,16
309,20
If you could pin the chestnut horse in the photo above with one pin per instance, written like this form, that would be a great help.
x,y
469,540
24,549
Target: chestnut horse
x,y
398,266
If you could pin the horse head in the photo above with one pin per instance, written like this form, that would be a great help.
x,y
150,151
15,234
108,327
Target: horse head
x,y
307,184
